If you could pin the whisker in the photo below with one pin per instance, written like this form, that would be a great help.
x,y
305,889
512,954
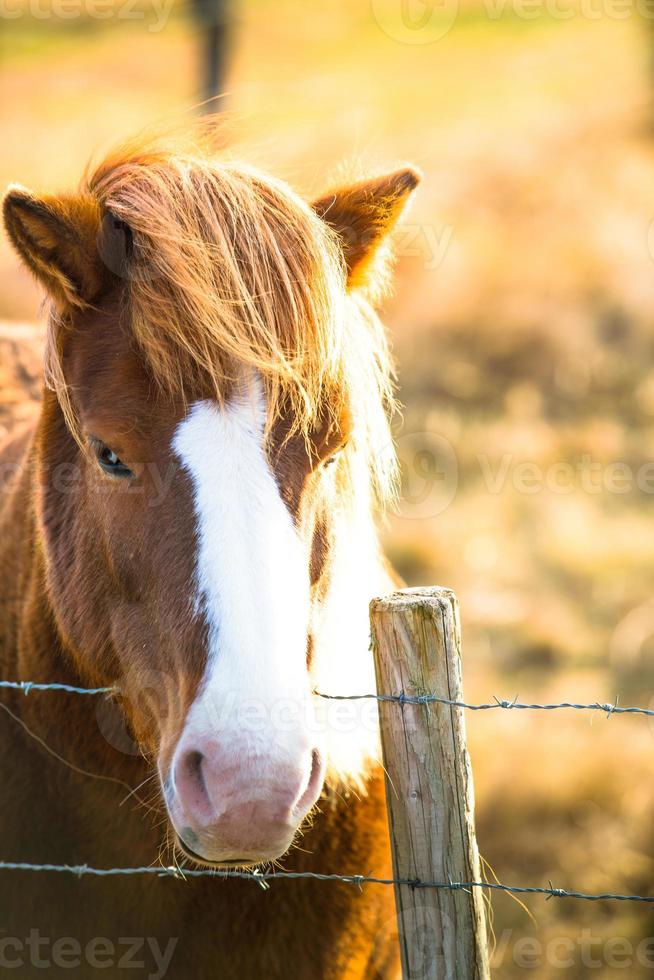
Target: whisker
x,y
137,788
60,758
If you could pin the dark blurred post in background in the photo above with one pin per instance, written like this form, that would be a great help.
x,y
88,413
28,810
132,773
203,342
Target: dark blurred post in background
x,y
215,20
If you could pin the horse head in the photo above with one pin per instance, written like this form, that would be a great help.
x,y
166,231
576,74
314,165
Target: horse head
x,y
216,400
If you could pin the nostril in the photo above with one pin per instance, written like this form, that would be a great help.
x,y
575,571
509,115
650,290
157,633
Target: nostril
x,y
191,785
192,763
314,784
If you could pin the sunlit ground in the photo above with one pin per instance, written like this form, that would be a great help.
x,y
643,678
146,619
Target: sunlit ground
x,y
522,324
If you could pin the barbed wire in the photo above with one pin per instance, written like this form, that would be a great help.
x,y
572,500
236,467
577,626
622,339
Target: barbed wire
x,y
418,699
423,699
27,686
263,878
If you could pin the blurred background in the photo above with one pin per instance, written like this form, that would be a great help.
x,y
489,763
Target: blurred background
x,y
523,327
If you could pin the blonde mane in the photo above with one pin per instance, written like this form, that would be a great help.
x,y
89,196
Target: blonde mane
x,y
230,269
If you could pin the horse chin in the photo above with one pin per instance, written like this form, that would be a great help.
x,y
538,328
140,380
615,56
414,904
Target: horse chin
x,y
231,863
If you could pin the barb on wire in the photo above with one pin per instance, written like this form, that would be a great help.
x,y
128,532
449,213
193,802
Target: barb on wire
x,y
259,877
512,705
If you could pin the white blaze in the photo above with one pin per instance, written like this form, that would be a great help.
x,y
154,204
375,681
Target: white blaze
x,y
252,581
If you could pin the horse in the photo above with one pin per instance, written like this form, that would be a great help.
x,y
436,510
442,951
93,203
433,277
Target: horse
x,y
188,521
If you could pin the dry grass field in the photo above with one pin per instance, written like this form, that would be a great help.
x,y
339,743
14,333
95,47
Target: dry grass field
x,y
523,325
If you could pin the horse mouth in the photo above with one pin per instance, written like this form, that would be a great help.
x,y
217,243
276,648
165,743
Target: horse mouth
x,y
235,864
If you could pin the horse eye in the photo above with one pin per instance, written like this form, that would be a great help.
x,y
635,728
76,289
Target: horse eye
x,y
336,454
332,459
111,463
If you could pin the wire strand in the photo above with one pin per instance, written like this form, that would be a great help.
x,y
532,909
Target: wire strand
x,y
424,699
27,686
417,699
264,877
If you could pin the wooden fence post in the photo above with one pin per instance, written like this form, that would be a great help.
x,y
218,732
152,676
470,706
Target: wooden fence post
x,y
429,791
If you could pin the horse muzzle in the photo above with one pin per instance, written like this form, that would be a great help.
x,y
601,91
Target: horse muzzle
x,y
231,808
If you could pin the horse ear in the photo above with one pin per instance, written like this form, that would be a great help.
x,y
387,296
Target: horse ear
x,y
363,215
56,237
